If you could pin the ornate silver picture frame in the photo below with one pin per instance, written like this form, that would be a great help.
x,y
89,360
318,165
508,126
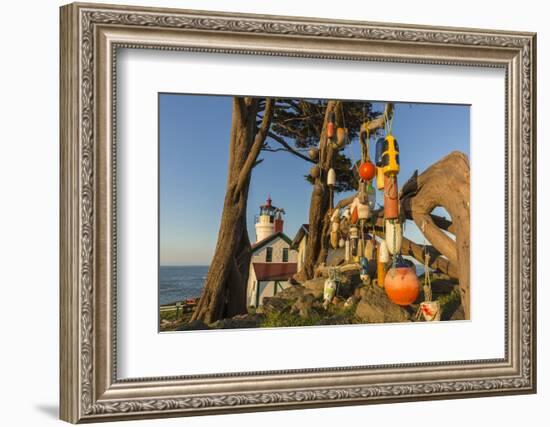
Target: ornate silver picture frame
x,y
91,34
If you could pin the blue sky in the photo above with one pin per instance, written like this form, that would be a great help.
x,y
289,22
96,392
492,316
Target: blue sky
x,y
194,144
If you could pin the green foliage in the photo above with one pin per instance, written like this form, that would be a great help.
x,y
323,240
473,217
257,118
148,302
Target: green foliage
x,y
279,319
449,303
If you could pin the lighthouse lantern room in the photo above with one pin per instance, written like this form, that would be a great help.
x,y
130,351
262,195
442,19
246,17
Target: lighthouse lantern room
x,y
269,221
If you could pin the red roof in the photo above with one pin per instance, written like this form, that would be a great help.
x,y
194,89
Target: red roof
x,y
266,271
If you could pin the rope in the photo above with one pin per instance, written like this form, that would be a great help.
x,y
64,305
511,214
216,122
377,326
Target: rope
x,y
427,278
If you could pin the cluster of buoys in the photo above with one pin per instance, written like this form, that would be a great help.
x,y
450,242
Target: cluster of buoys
x,y
400,280
353,227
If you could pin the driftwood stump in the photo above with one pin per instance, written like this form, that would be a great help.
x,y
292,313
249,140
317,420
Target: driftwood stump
x,y
444,184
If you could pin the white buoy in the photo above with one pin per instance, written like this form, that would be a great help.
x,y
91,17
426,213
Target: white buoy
x,y
394,236
384,255
331,177
329,290
363,210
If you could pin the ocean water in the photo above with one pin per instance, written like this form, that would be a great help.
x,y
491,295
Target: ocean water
x,y
178,283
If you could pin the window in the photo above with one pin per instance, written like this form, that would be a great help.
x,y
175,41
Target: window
x,y
268,254
285,254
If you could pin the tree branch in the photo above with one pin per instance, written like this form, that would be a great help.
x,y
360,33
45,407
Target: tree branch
x,y
287,147
380,121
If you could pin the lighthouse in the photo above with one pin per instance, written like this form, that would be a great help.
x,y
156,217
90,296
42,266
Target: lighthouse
x,y
269,221
273,259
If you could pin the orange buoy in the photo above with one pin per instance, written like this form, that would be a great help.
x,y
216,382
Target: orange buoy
x,y
391,197
367,170
331,125
401,285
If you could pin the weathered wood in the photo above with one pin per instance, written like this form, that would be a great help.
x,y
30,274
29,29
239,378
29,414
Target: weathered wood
x,y
445,184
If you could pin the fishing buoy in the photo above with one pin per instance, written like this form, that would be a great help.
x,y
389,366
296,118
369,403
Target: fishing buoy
x,y
354,215
334,216
431,310
329,289
315,171
341,137
314,154
394,236
379,149
390,155
346,251
335,226
391,197
402,286
363,211
383,253
341,243
368,252
331,125
380,178
367,170
331,177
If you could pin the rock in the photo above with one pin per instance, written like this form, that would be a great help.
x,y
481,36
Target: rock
x,y
315,287
351,301
375,307
335,257
303,306
275,304
458,314
336,319
240,321
195,325
292,292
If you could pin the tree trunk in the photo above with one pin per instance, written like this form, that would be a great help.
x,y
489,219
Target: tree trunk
x,y
224,293
317,241
447,184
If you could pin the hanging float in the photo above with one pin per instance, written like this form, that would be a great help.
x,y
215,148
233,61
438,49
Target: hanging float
x,y
390,156
367,170
391,197
314,154
315,171
380,178
393,236
341,137
331,177
331,124
401,285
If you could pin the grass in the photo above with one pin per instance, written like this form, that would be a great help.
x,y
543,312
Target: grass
x,y
279,319
170,316
449,303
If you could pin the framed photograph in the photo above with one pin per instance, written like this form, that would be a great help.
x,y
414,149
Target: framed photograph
x,y
266,212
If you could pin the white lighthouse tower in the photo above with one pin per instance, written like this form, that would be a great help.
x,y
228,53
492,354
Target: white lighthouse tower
x,y
269,221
